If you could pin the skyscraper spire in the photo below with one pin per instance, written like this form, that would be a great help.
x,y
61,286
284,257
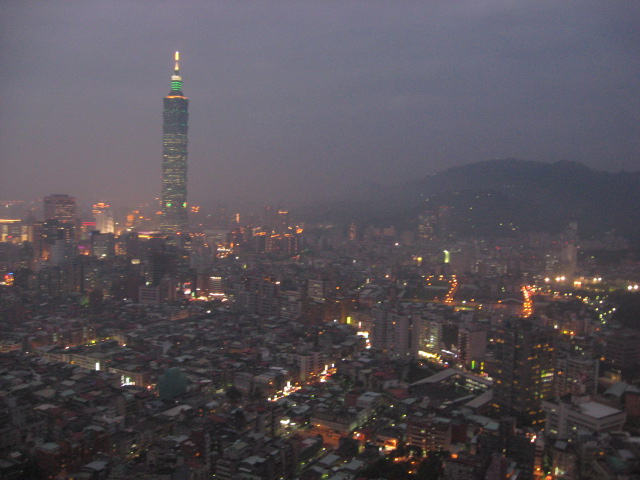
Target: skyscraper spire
x,y
176,79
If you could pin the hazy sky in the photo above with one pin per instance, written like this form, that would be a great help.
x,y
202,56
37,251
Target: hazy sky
x,y
301,100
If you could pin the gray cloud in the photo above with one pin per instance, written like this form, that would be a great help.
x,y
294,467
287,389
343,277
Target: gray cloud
x,y
301,100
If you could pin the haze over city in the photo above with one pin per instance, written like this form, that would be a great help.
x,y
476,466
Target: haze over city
x,y
302,101
319,240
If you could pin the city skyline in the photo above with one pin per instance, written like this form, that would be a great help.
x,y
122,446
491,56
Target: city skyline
x,y
408,243
302,102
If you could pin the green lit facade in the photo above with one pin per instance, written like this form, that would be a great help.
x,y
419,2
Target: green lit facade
x,y
174,158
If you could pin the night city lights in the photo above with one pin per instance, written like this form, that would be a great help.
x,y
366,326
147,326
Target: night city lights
x,y
377,241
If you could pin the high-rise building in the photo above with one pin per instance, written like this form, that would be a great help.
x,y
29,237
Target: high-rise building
x,y
103,216
472,344
283,221
396,332
621,348
49,233
102,244
576,376
60,207
525,368
174,157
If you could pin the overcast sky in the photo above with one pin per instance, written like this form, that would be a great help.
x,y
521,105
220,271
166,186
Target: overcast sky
x,y
300,100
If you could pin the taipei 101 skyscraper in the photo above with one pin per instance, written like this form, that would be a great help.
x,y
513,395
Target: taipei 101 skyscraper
x,y
174,157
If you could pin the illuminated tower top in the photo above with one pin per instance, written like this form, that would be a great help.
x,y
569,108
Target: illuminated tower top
x,y
176,79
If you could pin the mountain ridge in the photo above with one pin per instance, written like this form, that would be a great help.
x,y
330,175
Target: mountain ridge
x,y
526,194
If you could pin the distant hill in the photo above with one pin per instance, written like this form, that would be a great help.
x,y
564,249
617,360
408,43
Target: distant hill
x,y
499,197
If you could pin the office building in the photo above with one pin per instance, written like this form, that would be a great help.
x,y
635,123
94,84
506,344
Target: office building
x,y
103,216
174,157
102,244
569,416
60,207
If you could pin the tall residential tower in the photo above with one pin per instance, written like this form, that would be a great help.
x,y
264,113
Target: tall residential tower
x,y
525,361
174,157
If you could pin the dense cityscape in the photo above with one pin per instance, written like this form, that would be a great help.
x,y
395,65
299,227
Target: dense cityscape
x,y
174,341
